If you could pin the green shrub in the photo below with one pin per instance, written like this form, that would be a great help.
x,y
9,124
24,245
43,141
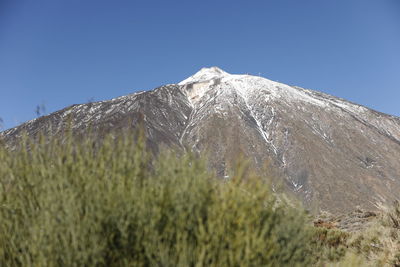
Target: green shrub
x,y
83,203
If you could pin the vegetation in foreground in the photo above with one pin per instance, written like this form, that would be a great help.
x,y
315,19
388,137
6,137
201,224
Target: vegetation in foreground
x,y
81,203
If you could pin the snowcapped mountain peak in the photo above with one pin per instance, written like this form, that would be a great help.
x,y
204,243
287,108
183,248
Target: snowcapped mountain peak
x,y
333,154
205,74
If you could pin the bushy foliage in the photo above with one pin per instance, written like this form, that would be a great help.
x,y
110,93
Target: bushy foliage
x,y
84,203
330,243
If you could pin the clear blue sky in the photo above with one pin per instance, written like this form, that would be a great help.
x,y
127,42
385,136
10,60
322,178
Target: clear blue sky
x,y
65,52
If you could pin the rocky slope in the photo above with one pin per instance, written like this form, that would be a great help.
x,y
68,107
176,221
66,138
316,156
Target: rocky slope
x,y
332,154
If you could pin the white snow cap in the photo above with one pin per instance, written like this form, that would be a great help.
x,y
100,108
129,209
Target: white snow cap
x,y
256,87
205,74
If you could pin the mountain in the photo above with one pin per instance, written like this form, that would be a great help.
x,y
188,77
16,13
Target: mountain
x,y
332,154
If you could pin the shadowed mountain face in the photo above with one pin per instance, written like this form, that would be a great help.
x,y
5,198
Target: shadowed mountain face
x,y
333,155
